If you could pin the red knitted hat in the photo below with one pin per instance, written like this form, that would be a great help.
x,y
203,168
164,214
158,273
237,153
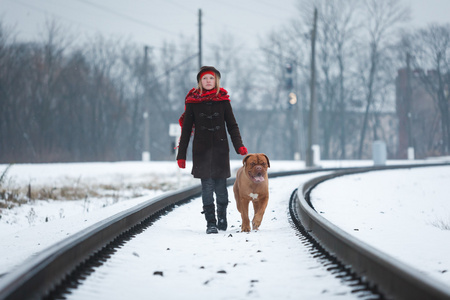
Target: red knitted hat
x,y
206,70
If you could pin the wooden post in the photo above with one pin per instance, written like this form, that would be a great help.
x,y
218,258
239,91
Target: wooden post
x,y
199,38
312,130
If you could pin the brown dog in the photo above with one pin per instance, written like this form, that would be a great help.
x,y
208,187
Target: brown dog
x,y
252,184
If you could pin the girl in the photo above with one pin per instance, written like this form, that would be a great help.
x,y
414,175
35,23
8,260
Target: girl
x,y
208,108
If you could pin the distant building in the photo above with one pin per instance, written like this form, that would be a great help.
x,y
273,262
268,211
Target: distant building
x,y
422,131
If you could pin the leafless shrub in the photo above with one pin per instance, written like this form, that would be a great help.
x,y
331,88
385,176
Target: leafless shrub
x,y
441,224
3,176
9,197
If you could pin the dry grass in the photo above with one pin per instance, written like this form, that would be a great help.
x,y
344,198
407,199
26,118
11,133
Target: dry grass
x,y
9,197
11,194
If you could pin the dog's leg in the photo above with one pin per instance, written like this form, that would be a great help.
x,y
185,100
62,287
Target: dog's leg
x,y
259,207
245,227
236,197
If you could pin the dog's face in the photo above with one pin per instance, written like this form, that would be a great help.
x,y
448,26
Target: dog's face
x,y
256,166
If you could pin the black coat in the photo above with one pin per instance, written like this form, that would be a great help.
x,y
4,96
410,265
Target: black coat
x,y
210,150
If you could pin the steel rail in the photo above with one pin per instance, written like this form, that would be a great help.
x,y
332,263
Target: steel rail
x,y
39,275
394,279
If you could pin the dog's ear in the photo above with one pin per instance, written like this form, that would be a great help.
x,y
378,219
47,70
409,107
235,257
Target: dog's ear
x,y
268,162
244,161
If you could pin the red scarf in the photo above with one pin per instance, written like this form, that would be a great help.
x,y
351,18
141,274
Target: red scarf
x,y
195,97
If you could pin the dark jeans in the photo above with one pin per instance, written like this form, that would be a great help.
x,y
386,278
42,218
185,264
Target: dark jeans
x,y
219,186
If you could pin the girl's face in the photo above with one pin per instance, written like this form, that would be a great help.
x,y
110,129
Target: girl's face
x,y
208,82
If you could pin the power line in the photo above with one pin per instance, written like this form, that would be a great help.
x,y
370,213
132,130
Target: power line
x,y
249,10
194,12
180,6
283,8
167,72
244,32
46,12
68,19
111,11
173,68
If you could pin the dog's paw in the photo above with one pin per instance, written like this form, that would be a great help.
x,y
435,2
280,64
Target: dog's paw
x,y
256,224
245,228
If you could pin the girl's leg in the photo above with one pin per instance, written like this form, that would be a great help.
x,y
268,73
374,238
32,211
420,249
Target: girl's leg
x,y
207,191
208,205
222,202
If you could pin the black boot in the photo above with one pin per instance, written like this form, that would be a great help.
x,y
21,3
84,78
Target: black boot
x,y
222,217
210,216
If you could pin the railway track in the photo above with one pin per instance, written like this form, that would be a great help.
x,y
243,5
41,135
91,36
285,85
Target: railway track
x,y
383,274
63,266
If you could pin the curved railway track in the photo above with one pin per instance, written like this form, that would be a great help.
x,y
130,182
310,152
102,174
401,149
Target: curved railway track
x,y
381,272
66,263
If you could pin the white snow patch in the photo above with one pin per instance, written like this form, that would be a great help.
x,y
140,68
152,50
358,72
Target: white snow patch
x,y
404,213
253,196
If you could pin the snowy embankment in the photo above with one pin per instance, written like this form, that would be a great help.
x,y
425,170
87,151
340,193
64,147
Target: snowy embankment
x,y
404,213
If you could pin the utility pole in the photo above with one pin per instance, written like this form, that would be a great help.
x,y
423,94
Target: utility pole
x,y
146,115
408,103
199,38
312,107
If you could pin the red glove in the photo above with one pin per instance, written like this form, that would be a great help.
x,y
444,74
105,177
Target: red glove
x,y
181,163
243,151
181,119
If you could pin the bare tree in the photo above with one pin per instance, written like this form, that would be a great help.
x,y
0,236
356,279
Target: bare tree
x,y
55,43
338,26
343,27
9,75
277,54
432,51
381,22
337,32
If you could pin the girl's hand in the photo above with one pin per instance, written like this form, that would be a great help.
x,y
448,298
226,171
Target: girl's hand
x,y
181,163
243,151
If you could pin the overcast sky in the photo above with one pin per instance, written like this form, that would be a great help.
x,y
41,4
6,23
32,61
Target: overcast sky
x,y
150,22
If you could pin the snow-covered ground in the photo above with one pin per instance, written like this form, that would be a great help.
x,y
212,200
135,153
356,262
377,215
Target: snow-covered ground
x,y
33,226
405,213
30,227
174,259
